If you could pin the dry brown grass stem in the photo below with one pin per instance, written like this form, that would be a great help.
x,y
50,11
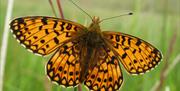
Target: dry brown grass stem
x,y
166,68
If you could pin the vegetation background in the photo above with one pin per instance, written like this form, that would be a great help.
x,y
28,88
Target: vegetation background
x,y
156,21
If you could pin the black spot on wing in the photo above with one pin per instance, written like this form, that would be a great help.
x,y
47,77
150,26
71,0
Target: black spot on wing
x,y
124,55
56,40
69,26
55,24
138,42
62,26
123,40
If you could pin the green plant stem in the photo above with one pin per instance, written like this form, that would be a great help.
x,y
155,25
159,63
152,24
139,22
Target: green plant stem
x,y
60,8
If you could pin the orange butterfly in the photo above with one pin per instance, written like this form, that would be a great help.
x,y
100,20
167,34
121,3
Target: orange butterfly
x,y
84,54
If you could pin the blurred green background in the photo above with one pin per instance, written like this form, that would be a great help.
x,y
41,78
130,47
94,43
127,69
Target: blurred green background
x,y
156,21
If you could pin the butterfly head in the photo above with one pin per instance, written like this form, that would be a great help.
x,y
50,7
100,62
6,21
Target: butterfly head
x,y
96,20
94,26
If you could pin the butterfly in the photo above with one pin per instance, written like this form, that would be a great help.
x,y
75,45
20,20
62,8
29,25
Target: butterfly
x,y
84,55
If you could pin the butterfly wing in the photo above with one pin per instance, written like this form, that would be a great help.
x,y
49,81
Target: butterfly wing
x,y
64,66
106,75
136,55
42,35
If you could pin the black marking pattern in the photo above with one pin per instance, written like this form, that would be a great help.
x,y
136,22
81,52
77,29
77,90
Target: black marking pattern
x,y
67,64
107,75
69,26
35,32
136,55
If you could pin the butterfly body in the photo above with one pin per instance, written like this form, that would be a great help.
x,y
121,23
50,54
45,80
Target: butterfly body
x,y
85,54
91,41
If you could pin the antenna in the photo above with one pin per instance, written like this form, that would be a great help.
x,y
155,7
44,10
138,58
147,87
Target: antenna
x,y
116,16
80,8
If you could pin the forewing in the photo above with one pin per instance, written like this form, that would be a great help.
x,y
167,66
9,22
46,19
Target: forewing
x,y
106,75
42,35
136,55
64,66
